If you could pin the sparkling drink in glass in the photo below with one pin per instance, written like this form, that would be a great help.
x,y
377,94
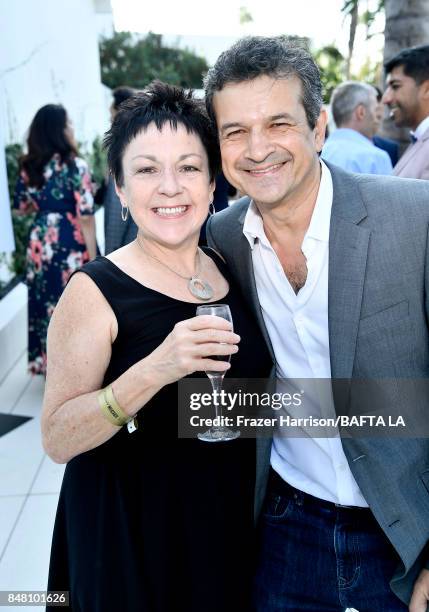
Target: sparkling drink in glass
x,y
217,433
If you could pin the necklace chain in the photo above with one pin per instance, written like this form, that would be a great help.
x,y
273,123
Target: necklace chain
x,y
198,287
166,265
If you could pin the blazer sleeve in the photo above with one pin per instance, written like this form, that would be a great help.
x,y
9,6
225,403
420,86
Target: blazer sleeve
x,y
210,237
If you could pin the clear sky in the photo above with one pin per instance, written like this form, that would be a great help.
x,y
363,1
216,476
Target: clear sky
x,y
320,20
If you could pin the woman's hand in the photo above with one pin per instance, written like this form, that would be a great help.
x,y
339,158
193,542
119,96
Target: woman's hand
x,y
190,347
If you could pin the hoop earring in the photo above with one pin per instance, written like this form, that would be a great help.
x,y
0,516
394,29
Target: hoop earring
x,y
212,208
124,212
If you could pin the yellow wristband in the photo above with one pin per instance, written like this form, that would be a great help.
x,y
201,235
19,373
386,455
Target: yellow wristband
x,y
111,409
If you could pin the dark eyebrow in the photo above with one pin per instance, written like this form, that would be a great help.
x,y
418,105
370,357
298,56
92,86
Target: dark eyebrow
x,y
394,81
282,116
151,157
227,126
154,159
185,155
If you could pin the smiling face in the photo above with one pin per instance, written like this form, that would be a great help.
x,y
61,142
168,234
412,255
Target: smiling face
x,y
166,184
269,152
403,97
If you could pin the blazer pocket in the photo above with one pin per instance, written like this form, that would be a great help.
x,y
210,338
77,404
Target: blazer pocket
x,y
384,318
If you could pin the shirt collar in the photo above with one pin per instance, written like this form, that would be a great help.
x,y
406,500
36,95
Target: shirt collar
x,y
421,128
350,134
253,227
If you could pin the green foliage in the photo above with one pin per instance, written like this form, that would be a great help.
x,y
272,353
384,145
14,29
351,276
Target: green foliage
x,y
21,225
349,6
13,153
127,60
370,73
366,17
245,15
332,66
97,161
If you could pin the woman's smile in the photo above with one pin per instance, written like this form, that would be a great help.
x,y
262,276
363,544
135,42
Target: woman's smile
x,y
171,212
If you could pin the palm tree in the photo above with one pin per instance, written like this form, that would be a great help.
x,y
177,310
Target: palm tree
x,y
351,9
407,25
359,13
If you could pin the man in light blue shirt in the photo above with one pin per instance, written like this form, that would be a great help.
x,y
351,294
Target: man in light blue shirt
x,y
357,115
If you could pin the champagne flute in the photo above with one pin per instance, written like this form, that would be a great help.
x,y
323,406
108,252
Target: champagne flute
x,y
217,433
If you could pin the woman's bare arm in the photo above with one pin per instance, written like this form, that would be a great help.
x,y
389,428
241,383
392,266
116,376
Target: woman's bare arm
x,y
80,336
82,330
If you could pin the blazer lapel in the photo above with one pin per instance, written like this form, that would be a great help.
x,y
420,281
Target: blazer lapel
x,y
409,153
348,248
243,261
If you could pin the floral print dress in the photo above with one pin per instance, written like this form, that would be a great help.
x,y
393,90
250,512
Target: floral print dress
x,y
56,245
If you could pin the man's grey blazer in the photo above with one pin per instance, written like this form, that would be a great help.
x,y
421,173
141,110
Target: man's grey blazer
x,y
378,328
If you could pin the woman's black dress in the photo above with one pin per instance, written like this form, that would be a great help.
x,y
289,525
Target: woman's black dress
x,y
148,522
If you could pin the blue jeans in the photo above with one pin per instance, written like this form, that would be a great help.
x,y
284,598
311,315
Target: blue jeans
x,y
317,556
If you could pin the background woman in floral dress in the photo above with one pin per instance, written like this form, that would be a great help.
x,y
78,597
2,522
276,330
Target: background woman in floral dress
x,y
55,184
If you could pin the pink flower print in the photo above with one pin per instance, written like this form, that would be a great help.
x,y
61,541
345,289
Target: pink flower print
x,y
65,275
36,250
75,260
86,182
77,231
28,205
48,252
51,236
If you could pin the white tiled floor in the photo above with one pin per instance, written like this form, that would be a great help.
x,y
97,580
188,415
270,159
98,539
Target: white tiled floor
x,y
29,487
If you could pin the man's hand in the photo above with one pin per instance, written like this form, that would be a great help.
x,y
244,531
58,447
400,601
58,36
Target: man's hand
x,y
419,600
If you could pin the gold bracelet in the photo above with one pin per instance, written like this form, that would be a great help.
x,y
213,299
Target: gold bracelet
x,y
111,409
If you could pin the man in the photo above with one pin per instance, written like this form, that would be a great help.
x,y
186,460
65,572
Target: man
x,y
407,96
119,228
335,269
357,116
386,144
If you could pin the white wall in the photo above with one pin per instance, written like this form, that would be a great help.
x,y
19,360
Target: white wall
x,y
49,53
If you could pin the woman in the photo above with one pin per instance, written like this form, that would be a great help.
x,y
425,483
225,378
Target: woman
x,y
55,184
148,522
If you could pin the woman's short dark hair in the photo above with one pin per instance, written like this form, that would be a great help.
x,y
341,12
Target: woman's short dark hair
x,y
159,103
120,94
256,56
46,137
415,63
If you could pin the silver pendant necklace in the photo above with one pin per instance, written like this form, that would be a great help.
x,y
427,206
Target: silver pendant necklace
x,y
198,287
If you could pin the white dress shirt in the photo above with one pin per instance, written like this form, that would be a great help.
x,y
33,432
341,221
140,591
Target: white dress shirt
x,y
298,328
421,128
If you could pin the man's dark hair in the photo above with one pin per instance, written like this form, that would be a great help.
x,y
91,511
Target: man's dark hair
x,y
256,56
120,94
415,62
46,137
159,103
